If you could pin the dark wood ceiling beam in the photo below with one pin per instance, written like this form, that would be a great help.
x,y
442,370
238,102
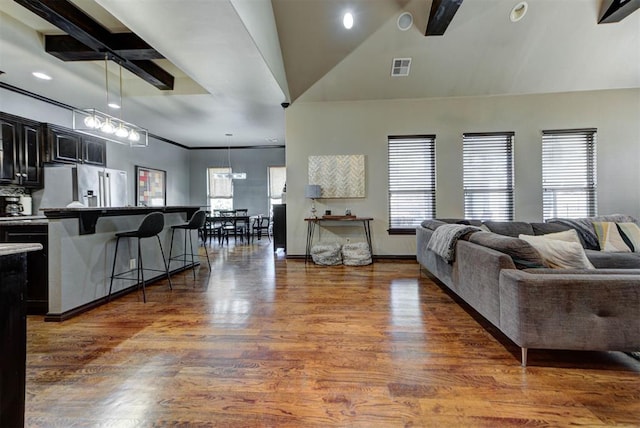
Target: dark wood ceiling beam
x,y
68,48
617,10
441,15
94,36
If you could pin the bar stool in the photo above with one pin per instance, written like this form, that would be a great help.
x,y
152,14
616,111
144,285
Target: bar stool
x,y
196,222
151,225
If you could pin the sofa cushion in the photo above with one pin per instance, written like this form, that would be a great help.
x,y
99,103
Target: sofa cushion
x,y
432,224
469,222
558,253
544,228
569,235
522,254
509,228
602,260
609,237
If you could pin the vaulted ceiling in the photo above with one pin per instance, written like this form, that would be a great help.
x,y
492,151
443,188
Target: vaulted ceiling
x,y
234,62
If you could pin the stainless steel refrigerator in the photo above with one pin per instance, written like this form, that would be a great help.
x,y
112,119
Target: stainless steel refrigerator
x,y
88,185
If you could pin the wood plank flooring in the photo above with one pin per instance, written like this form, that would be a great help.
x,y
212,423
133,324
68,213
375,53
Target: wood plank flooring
x,y
268,342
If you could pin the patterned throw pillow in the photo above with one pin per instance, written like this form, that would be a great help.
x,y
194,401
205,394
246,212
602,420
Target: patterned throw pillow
x,y
631,232
609,237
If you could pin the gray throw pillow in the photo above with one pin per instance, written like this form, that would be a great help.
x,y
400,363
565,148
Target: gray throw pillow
x,y
545,228
509,228
522,253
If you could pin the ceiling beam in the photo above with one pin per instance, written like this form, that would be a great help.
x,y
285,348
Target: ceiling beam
x,y
126,45
128,50
441,15
617,10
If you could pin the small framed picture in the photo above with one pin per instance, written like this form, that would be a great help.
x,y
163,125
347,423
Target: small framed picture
x,y
151,187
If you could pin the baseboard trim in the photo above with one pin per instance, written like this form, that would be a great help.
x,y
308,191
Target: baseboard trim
x,y
52,317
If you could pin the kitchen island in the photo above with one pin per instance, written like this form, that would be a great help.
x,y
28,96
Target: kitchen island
x,y
13,328
81,250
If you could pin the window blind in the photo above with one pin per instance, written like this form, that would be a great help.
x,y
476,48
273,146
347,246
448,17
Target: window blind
x,y
569,173
277,179
412,182
219,187
488,176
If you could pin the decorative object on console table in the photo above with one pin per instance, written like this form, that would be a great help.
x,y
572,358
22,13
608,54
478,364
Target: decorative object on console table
x,y
312,191
151,187
280,227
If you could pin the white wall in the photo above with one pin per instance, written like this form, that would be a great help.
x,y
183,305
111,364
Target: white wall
x,y
335,128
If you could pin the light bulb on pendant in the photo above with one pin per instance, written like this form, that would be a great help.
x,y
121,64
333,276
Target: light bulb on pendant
x,y
122,132
134,136
92,122
108,127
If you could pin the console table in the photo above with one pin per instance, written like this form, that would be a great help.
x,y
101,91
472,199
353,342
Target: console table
x,y
312,222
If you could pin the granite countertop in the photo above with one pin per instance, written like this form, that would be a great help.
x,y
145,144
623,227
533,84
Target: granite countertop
x,y
24,220
8,249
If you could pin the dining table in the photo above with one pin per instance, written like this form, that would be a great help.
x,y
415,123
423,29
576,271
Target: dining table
x,y
213,225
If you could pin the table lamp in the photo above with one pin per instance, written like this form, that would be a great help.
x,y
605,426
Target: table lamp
x,y
312,191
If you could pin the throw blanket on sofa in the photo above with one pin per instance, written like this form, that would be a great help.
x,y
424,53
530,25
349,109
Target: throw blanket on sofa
x,y
444,239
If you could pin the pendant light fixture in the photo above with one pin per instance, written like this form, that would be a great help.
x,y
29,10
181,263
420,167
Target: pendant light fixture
x,y
102,125
230,175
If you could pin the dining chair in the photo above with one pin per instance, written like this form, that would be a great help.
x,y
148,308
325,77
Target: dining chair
x,y
228,225
261,224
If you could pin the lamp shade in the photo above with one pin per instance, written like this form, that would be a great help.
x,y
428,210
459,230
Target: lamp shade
x,y
312,191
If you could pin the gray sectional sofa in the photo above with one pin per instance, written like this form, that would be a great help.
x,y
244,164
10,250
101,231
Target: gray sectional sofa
x,y
537,307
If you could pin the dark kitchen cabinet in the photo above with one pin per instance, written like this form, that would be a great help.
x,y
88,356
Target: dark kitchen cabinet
x,y
21,151
94,151
37,298
13,340
280,226
67,146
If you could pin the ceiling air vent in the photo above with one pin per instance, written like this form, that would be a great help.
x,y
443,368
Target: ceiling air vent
x,y
400,67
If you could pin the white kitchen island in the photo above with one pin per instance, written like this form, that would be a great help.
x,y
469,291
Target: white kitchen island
x,y
81,250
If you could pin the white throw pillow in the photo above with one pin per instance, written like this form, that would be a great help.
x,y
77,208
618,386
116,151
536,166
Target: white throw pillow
x,y
569,235
558,253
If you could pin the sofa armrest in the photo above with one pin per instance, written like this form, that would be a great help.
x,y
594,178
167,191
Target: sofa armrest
x,y
576,311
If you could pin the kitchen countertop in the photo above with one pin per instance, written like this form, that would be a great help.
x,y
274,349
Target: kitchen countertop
x,y
31,220
88,216
8,249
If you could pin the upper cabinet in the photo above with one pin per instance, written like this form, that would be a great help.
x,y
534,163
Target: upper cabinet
x,y
20,151
67,146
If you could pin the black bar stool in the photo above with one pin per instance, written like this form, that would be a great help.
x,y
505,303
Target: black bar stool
x,y
196,222
151,225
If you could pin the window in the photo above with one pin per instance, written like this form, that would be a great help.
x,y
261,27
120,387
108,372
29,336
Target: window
x,y
412,182
220,190
569,173
277,180
488,176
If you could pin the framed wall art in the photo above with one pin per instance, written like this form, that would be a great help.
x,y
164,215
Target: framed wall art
x,y
151,187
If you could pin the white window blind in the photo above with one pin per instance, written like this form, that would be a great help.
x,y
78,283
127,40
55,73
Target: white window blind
x,y
277,180
488,176
220,190
412,182
569,173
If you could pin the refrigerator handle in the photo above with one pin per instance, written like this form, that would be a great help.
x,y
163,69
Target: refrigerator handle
x,y
101,188
107,189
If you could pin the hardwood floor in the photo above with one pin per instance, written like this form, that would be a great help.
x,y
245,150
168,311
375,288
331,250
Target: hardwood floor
x,y
266,341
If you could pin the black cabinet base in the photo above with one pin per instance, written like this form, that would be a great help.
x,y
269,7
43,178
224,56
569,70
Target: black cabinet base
x,y
13,336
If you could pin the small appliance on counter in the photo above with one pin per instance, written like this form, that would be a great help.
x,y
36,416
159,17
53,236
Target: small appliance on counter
x,y
12,206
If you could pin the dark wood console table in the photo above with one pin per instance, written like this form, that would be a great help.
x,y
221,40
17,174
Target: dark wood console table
x,y
311,227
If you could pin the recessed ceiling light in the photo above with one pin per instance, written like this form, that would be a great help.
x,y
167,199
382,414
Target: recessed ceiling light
x,y
114,106
518,11
42,76
405,20
347,20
